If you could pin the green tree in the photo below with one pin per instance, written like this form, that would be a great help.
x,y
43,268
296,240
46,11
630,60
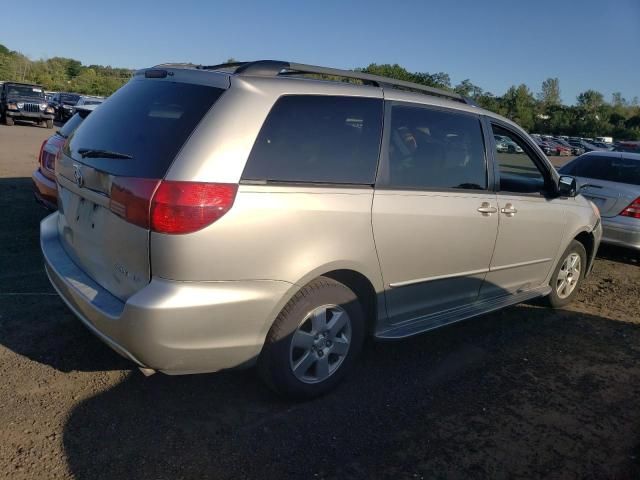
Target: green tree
x,y
591,100
467,89
550,93
520,106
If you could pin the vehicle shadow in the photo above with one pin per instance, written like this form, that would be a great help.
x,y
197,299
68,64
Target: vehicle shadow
x,y
34,321
525,392
619,254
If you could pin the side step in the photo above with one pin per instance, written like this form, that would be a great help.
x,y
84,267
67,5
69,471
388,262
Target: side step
x,y
436,320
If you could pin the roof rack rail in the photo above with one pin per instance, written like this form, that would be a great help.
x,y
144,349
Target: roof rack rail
x,y
177,64
275,67
222,66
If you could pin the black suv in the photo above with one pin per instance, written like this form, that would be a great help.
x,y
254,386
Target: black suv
x,y
63,104
23,101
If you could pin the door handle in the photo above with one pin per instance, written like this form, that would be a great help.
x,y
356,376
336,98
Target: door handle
x,y
486,209
509,210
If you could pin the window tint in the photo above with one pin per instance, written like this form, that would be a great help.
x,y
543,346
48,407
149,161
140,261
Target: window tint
x,y
318,139
611,169
518,171
146,119
434,149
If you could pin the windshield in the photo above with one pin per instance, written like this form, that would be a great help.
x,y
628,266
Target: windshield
x,y
69,98
92,102
24,91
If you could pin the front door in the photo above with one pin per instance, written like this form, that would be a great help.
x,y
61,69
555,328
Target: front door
x,y
532,219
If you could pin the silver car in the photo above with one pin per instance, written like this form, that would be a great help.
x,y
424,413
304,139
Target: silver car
x,y
231,215
611,180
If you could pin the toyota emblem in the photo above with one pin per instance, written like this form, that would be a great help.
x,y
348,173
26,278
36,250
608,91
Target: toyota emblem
x,y
77,175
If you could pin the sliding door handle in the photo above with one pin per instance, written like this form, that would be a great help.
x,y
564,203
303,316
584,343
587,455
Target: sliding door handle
x,y
509,210
486,209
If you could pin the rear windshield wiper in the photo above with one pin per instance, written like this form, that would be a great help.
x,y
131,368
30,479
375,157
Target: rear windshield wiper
x,y
96,153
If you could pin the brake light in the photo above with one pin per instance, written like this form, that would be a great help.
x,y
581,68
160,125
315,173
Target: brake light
x,y
169,206
185,207
40,156
633,210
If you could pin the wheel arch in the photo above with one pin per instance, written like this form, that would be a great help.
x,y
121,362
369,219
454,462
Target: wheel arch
x,y
365,288
588,241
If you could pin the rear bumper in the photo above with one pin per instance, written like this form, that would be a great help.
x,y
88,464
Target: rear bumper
x,y
174,327
621,231
44,189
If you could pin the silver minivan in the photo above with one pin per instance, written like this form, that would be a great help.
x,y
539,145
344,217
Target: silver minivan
x,y
276,214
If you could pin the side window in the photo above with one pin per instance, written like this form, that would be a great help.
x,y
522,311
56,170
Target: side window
x,y
518,171
434,149
318,139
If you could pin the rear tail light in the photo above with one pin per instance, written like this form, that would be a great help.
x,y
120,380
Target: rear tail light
x,y
40,155
633,210
131,198
169,206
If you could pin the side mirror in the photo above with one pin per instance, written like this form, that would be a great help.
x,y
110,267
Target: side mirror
x,y
567,186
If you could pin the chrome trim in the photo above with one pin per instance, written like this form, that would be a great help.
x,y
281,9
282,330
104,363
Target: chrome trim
x,y
469,273
438,277
521,264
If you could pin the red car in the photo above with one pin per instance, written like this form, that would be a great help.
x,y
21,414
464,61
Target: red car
x,y
44,178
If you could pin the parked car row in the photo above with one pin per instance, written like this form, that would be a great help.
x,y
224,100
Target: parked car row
x,y
65,103
44,180
552,146
578,145
29,102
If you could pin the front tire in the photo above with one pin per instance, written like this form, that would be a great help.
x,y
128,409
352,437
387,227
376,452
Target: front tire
x,y
314,342
49,123
568,275
9,121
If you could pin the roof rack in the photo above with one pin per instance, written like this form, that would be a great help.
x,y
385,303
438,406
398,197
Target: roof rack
x,y
273,68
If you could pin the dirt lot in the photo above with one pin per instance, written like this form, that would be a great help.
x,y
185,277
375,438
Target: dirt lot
x,y
524,393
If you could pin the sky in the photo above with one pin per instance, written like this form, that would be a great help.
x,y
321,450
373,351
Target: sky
x,y
587,44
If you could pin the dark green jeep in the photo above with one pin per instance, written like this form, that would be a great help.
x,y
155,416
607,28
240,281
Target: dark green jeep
x,y
21,101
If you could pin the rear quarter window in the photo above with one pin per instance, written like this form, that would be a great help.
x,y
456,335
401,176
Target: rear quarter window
x,y
148,120
318,139
611,169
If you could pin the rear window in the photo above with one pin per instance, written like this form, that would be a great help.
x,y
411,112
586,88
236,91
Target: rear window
x,y
147,120
611,169
318,139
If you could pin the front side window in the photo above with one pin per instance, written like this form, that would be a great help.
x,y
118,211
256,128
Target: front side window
x,y
318,139
519,172
434,149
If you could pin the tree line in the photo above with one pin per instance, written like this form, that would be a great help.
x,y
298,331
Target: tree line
x,y
542,112
62,74
592,115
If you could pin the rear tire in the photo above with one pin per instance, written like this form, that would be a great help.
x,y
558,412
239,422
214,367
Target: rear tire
x,y
315,340
568,275
9,121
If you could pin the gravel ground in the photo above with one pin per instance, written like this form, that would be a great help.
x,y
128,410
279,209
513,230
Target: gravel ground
x,y
523,393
